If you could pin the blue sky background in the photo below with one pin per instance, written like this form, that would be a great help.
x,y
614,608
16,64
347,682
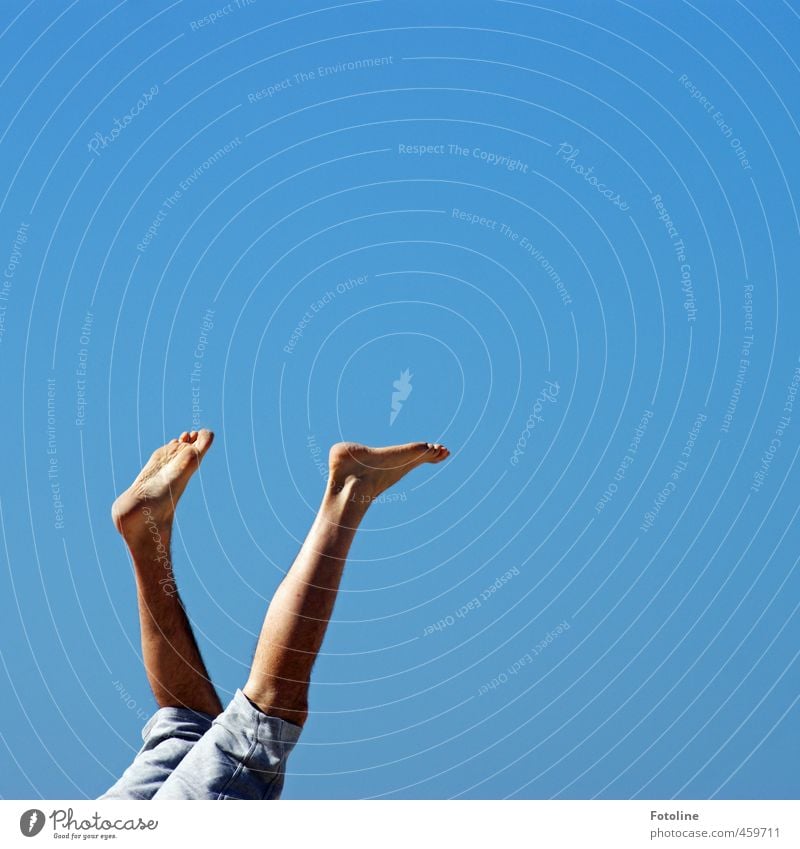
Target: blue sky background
x,y
617,656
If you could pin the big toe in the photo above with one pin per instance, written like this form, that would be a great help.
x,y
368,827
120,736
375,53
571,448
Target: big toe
x,y
438,453
203,441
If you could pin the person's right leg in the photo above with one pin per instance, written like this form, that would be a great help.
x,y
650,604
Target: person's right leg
x,y
298,616
244,754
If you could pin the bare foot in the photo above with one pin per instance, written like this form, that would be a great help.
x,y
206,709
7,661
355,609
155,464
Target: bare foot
x,y
371,471
149,503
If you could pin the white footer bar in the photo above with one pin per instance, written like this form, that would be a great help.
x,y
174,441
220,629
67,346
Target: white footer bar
x,y
404,824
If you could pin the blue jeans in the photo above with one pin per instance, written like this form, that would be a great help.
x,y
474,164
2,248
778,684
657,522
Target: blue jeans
x,y
190,755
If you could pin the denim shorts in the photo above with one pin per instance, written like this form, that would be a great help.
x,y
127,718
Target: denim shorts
x,y
190,755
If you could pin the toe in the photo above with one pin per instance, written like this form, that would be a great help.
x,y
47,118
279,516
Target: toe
x,y
184,437
203,440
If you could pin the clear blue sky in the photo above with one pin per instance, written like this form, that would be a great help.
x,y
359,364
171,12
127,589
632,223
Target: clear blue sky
x,y
575,226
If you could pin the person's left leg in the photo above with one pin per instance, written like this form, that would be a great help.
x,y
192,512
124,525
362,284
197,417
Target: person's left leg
x,y
187,700
143,515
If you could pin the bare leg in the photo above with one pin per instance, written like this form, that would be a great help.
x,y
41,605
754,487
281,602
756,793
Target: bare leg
x,y
143,515
299,613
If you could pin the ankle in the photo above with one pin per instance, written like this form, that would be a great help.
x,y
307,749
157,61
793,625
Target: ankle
x,y
350,495
150,544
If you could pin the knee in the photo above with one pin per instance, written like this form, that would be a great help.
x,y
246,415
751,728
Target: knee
x,y
291,707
